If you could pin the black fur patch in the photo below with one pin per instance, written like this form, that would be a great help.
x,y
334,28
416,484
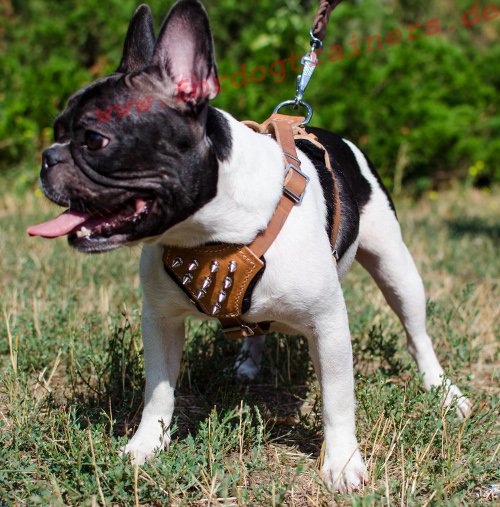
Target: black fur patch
x,y
219,133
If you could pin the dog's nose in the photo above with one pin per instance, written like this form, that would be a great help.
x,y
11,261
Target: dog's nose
x,y
50,157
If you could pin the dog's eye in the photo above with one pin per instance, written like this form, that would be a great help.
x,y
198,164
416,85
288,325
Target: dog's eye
x,y
95,141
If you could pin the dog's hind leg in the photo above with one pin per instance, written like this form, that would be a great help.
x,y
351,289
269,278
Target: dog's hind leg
x,y
385,256
247,364
394,271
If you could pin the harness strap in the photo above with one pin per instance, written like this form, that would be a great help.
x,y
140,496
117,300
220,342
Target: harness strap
x,y
281,127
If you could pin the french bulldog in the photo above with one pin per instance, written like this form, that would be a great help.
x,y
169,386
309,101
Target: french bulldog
x,y
141,156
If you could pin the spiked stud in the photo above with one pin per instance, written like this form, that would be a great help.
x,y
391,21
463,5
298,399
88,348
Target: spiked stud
x,y
176,262
187,278
214,267
232,267
201,294
193,265
216,309
227,283
221,297
206,283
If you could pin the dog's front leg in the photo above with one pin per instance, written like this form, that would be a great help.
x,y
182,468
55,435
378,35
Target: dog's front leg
x,y
331,352
163,342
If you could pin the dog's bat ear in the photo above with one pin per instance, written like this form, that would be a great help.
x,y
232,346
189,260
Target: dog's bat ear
x,y
185,50
139,42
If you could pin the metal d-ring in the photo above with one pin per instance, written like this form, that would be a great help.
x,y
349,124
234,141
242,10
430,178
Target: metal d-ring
x,y
295,104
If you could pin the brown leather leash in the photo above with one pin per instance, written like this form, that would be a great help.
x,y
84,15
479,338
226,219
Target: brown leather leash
x,y
216,277
320,23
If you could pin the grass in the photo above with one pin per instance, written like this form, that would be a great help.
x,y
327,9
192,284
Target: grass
x,y
71,381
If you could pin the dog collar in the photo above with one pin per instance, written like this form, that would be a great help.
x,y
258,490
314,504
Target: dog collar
x,y
219,278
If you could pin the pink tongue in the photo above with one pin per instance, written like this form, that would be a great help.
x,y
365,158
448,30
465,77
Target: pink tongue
x,y
59,226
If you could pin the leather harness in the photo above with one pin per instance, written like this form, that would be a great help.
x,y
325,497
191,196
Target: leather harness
x,y
217,277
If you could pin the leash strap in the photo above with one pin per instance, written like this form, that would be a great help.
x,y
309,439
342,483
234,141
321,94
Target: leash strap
x,y
320,23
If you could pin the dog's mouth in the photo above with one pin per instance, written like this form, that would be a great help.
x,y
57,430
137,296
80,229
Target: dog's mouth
x,y
97,232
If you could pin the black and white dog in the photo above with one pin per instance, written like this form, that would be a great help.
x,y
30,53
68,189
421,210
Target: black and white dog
x,y
140,156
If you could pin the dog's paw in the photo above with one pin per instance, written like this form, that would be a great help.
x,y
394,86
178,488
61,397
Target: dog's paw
x,y
454,395
246,371
141,448
344,473
138,455
464,407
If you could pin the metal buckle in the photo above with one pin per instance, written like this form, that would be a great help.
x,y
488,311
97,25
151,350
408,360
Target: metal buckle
x,y
289,155
290,193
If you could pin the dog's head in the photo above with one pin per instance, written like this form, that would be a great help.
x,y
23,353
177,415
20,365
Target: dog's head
x,y
137,151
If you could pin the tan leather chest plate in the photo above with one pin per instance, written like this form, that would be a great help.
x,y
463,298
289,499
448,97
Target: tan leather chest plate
x,y
216,277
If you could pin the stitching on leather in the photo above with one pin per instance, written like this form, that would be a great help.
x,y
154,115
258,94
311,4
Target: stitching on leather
x,y
237,299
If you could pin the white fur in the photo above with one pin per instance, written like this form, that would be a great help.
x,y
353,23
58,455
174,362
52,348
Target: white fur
x,y
299,291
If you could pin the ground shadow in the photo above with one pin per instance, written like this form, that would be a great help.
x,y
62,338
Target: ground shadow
x,y
474,226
